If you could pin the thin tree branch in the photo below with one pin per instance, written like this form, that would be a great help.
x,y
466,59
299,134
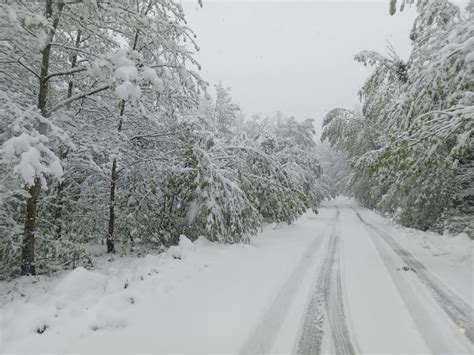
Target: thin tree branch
x,y
28,68
72,71
74,98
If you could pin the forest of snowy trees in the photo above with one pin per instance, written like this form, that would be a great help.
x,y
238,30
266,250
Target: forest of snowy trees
x,y
110,139
411,147
108,136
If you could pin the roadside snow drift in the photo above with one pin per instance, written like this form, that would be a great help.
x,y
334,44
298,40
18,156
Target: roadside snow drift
x,y
197,297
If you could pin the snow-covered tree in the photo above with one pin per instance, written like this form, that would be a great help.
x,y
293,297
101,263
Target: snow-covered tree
x,y
75,60
107,134
417,118
284,154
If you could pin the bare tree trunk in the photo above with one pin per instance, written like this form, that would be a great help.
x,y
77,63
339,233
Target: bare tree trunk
x,y
74,62
110,235
113,183
58,211
113,176
28,242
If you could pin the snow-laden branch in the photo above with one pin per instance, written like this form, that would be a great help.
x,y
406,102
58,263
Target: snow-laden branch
x,y
68,72
74,98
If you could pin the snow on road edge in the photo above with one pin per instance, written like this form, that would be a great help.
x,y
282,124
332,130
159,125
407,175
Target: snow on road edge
x,y
450,257
209,293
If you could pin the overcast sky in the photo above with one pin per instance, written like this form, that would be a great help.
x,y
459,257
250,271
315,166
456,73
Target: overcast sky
x,y
293,56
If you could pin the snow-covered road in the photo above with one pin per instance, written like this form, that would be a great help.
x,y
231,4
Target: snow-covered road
x,y
345,281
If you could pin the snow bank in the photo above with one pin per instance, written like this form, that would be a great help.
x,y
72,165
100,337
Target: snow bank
x,y
80,282
209,294
184,248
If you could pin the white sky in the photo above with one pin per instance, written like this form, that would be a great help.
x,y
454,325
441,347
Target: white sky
x,y
293,56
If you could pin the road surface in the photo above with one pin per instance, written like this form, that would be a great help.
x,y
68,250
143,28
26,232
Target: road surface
x,y
371,295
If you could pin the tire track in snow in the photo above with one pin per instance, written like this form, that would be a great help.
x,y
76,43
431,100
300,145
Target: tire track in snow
x,y
461,313
327,302
263,336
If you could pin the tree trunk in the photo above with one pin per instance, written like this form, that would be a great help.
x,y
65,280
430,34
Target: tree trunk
x,y
74,62
58,213
110,235
113,176
58,210
113,183
28,242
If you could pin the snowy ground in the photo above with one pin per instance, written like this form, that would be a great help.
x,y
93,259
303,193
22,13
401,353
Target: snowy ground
x,y
330,283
